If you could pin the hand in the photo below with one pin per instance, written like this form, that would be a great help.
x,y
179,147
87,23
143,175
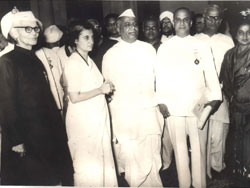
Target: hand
x,y
164,110
107,87
19,149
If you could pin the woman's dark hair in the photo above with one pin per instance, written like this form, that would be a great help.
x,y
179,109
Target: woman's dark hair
x,y
76,30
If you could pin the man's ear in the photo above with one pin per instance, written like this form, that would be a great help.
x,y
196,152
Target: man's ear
x,y
191,23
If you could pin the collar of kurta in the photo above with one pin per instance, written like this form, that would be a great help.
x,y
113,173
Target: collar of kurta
x,y
123,42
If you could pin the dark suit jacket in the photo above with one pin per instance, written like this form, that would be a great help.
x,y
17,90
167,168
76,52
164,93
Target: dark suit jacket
x,y
29,116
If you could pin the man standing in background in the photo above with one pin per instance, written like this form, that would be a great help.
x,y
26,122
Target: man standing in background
x,y
218,124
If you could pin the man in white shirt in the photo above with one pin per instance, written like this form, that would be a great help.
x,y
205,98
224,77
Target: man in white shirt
x,y
219,121
185,73
137,122
166,19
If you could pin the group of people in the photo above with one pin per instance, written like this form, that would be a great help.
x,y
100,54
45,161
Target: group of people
x,y
97,107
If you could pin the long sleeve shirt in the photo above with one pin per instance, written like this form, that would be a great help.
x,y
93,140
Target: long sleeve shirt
x,y
184,73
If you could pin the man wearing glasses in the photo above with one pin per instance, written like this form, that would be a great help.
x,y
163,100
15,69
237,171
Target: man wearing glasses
x,y
219,122
184,71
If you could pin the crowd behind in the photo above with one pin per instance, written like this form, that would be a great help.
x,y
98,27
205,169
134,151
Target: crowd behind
x,y
87,104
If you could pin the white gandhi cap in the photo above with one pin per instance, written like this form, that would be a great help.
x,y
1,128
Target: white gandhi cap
x,y
127,13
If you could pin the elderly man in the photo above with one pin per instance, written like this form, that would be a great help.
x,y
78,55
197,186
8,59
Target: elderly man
x,y
219,121
186,77
137,122
151,31
166,19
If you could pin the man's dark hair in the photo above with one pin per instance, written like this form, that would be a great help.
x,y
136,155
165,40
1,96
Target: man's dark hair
x,y
151,18
107,17
183,8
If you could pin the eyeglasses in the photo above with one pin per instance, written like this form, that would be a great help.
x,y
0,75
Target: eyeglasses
x,y
29,29
215,18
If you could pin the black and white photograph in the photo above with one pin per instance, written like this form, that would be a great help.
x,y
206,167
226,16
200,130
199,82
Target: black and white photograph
x,y
113,93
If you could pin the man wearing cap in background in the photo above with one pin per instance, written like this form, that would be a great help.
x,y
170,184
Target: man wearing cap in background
x,y
137,122
52,63
219,121
35,150
184,71
166,19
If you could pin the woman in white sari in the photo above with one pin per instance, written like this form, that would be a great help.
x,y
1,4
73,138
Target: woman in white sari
x,y
87,118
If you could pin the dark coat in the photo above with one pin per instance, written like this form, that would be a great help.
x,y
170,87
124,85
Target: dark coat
x,y
29,116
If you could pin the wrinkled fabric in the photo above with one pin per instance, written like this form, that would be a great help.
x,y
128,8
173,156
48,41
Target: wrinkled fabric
x,y
29,116
235,76
88,127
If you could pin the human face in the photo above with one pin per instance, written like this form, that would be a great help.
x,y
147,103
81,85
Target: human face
x,y
85,41
166,25
182,23
199,24
151,30
26,39
212,20
243,34
128,29
111,27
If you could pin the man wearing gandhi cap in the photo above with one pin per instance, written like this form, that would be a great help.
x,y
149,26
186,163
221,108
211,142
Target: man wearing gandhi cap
x,y
35,150
137,122
166,19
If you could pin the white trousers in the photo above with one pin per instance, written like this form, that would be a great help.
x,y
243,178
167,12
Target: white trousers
x,y
179,129
167,147
140,159
217,134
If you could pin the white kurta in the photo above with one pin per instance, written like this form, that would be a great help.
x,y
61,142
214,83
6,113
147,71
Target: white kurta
x,y
179,81
135,115
130,67
219,121
164,38
219,44
184,71
88,127
53,67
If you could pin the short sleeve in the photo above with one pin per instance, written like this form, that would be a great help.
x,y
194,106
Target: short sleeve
x,y
74,76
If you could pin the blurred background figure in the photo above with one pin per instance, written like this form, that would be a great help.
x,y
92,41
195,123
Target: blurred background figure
x,y
198,23
3,42
53,36
48,56
101,44
110,26
166,19
219,121
151,31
